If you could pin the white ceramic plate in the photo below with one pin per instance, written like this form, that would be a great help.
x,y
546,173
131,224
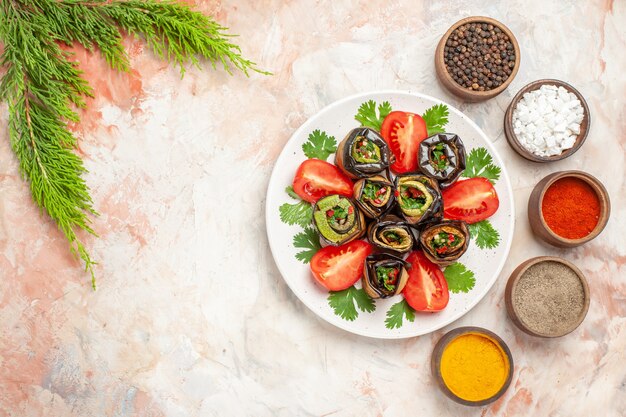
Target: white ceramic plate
x,y
337,120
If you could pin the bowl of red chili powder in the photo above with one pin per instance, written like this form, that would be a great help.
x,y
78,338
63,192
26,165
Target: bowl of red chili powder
x,y
568,208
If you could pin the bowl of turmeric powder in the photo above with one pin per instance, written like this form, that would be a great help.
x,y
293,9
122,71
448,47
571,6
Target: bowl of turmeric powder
x,y
473,366
568,208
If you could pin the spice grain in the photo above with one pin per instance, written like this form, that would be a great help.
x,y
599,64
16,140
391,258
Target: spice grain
x,y
571,208
549,298
479,56
474,367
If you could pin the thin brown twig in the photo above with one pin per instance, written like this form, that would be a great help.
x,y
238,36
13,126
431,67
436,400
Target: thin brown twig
x,y
32,136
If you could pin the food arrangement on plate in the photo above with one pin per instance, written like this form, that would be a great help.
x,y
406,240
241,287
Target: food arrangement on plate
x,y
394,214
403,217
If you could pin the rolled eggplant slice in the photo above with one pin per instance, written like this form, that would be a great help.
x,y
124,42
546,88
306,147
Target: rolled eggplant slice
x,y
338,220
445,242
384,275
363,152
442,157
391,234
418,198
374,195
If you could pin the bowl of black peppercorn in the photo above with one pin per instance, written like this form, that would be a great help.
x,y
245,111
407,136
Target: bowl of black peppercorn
x,y
477,58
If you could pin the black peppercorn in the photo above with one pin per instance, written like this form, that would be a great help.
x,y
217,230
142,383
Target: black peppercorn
x,y
479,56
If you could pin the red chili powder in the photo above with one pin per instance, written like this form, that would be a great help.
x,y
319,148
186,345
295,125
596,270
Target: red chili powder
x,y
571,208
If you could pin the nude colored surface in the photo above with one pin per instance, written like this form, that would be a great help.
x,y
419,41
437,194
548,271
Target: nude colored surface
x,y
191,316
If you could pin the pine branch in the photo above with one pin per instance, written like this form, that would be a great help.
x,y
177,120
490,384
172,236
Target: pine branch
x,y
175,32
42,84
77,21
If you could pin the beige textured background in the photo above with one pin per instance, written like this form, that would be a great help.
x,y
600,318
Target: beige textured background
x,y
192,317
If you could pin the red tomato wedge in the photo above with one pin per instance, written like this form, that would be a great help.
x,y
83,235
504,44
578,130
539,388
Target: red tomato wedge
x,y
470,200
316,178
403,132
427,288
339,267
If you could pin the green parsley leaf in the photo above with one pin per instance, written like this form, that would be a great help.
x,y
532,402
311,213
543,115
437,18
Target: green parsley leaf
x,y
486,236
396,314
289,190
383,111
436,118
479,163
300,213
367,114
309,240
460,279
343,303
319,145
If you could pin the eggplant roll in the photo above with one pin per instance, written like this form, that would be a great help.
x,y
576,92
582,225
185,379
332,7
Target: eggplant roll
x,y
442,157
374,195
418,198
384,275
338,220
363,152
445,242
391,234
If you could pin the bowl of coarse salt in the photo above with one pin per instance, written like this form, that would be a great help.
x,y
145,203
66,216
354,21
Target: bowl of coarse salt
x,y
547,120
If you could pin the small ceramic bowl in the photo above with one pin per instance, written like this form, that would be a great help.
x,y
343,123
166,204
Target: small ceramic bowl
x,y
514,142
512,308
538,223
435,363
446,79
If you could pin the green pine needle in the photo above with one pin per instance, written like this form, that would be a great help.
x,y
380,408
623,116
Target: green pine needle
x,y
42,84
176,33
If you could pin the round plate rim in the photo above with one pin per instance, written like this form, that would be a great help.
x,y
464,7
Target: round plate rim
x,y
343,324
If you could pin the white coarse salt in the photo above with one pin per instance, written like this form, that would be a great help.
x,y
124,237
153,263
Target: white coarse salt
x,y
547,120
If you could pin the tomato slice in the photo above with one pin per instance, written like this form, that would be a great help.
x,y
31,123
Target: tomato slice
x,y
426,288
339,267
470,200
316,178
403,132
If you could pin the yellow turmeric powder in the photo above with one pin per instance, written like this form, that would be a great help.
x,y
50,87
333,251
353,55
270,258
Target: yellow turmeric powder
x,y
474,367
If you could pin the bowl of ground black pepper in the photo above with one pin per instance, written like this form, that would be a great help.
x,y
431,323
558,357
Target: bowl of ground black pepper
x,y
477,58
547,296
568,208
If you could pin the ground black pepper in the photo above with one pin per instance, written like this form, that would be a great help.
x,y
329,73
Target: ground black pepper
x,y
479,56
549,298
